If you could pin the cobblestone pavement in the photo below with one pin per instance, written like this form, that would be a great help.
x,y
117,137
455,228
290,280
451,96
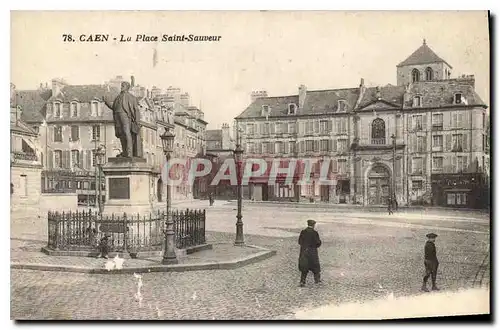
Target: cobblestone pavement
x,y
361,259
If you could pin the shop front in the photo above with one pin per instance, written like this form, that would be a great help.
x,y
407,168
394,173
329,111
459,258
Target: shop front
x,y
459,190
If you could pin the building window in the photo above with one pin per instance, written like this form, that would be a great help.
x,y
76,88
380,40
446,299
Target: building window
x,y
417,185
324,126
341,106
250,129
75,133
421,147
280,147
461,164
458,98
309,127
437,163
291,109
75,158
417,101
378,131
437,142
58,158
417,165
309,146
94,107
457,140
96,132
429,74
250,147
341,145
437,122
291,128
456,198
265,129
58,134
293,147
342,126
342,166
324,145
57,110
74,109
418,122
265,110
415,75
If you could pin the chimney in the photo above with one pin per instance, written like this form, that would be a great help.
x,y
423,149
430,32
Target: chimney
x,y
377,94
57,86
226,136
46,85
185,99
132,81
257,95
362,90
302,95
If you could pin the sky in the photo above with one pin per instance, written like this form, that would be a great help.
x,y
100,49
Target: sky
x,y
272,51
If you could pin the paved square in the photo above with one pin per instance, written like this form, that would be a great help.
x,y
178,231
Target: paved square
x,y
365,255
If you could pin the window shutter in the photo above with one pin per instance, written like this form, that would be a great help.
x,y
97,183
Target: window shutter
x,y
334,165
330,143
285,147
316,145
338,125
465,145
410,123
453,164
334,145
302,146
80,160
316,126
329,126
65,159
448,142
424,144
88,159
50,159
466,163
410,170
272,128
424,122
465,120
285,127
424,165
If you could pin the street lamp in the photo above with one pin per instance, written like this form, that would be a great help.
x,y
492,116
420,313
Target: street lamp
x,y
169,256
100,159
238,152
393,137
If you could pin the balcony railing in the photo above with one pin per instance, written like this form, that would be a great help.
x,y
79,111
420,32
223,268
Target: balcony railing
x,y
25,156
378,141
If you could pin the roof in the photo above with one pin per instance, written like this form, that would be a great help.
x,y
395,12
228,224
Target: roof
x,y
435,93
389,93
22,128
33,104
423,55
84,93
213,135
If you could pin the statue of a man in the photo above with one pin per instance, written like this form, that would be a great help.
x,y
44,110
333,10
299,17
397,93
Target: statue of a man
x,y
126,115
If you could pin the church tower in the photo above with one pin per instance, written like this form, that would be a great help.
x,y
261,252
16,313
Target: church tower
x,y
422,65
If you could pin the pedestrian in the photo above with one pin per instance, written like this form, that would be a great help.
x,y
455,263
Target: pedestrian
x,y
103,247
309,242
431,262
389,205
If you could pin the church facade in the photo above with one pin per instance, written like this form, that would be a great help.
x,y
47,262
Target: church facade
x,y
423,140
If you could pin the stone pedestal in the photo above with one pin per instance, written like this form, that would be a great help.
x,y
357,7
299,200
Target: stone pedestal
x,y
128,187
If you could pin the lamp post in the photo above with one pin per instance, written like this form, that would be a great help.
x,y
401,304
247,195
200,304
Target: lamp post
x,y
169,256
238,152
100,158
393,137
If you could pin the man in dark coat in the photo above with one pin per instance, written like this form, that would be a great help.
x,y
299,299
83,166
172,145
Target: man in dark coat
x,y
126,116
430,261
308,259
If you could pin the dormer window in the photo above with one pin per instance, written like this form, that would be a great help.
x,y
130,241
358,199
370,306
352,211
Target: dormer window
x,y
292,107
74,109
57,110
94,108
417,101
341,106
265,110
415,75
429,73
458,98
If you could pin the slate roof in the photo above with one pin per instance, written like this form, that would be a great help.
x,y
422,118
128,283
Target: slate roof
x,y
84,93
389,93
33,104
21,127
435,93
213,135
423,55
326,101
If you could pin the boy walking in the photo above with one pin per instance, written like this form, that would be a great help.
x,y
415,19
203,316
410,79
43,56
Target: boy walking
x,y
431,262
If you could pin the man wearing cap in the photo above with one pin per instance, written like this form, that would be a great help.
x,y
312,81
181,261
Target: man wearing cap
x,y
430,261
308,258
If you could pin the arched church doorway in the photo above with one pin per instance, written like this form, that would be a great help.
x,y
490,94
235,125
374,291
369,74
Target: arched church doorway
x,y
378,185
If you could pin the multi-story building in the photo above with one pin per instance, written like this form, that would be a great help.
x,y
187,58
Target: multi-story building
x,y
74,121
25,161
423,140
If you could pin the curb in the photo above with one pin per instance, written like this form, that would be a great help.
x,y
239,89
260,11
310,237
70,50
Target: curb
x,y
232,264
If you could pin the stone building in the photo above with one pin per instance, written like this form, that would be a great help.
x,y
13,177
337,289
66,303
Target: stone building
x,y
73,122
25,161
404,140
